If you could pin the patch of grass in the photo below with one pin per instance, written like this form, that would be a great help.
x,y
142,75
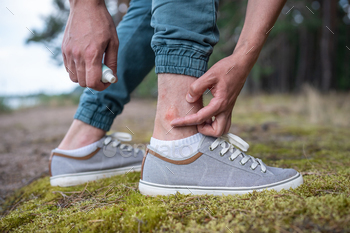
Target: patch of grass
x,y
321,204
60,100
3,107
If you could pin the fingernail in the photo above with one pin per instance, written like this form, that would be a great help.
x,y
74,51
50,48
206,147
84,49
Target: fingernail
x,y
189,98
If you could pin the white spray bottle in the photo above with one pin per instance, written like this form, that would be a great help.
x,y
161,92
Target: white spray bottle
x,y
107,75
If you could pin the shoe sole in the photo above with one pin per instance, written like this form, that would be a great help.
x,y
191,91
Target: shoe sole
x,y
152,189
67,180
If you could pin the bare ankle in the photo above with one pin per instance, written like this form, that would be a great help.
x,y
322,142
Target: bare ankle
x,y
164,131
79,135
172,90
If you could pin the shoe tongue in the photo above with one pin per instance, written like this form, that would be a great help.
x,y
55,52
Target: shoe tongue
x,y
101,141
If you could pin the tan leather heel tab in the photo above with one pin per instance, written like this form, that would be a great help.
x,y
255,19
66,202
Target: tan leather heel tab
x,y
71,157
177,162
143,162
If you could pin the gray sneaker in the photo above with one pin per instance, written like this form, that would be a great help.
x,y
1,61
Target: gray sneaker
x,y
110,157
218,166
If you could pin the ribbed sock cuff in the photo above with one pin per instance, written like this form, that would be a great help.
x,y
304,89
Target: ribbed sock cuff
x,y
180,142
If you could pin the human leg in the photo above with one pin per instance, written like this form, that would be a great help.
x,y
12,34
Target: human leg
x,y
216,165
185,34
86,154
97,110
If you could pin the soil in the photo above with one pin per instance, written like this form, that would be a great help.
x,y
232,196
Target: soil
x,y
27,137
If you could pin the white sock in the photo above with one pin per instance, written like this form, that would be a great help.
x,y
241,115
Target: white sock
x,y
82,151
177,148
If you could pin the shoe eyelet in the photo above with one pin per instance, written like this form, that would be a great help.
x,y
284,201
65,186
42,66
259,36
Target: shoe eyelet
x,y
210,148
241,163
221,154
263,171
252,168
231,159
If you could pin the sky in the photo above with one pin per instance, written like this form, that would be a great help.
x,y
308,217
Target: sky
x,y
27,69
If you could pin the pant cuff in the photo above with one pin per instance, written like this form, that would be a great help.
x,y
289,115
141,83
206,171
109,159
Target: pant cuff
x,y
94,118
180,61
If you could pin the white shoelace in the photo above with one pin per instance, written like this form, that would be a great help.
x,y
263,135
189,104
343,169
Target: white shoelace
x,y
228,142
117,138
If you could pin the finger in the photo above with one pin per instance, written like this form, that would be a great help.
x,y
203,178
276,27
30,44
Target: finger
x,y
111,56
228,125
93,77
72,72
93,69
199,86
216,129
65,62
69,71
198,118
80,69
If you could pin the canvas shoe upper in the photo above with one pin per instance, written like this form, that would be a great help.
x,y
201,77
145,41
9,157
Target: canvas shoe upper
x,y
110,157
219,166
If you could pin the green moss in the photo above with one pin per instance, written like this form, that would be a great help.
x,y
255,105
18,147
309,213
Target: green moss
x,y
322,204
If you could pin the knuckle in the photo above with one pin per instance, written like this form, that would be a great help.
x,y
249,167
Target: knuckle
x,y
67,52
73,79
114,41
212,78
76,53
82,83
80,70
222,104
90,84
193,87
91,53
200,119
221,132
216,106
93,83
64,49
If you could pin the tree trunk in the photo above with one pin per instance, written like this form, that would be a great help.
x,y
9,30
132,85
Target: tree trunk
x,y
284,65
303,60
328,12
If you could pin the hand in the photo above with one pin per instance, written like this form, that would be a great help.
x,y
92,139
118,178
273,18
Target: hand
x,y
90,32
227,77
225,81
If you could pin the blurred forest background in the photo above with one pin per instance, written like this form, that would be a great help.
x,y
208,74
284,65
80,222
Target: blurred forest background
x,y
309,44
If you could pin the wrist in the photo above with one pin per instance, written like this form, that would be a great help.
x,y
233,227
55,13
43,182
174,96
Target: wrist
x,y
78,3
247,52
247,49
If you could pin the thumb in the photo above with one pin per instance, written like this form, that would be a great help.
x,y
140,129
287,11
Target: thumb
x,y
198,87
111,55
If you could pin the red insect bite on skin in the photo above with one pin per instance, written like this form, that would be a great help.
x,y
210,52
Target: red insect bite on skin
x,y
171,114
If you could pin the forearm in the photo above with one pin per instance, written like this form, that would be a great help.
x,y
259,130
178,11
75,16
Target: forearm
x,y
260,18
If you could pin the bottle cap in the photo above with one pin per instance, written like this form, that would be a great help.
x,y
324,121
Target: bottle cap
x,y
108,77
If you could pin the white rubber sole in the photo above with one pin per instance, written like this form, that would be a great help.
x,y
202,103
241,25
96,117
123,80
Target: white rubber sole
x,y
152,189
67,180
